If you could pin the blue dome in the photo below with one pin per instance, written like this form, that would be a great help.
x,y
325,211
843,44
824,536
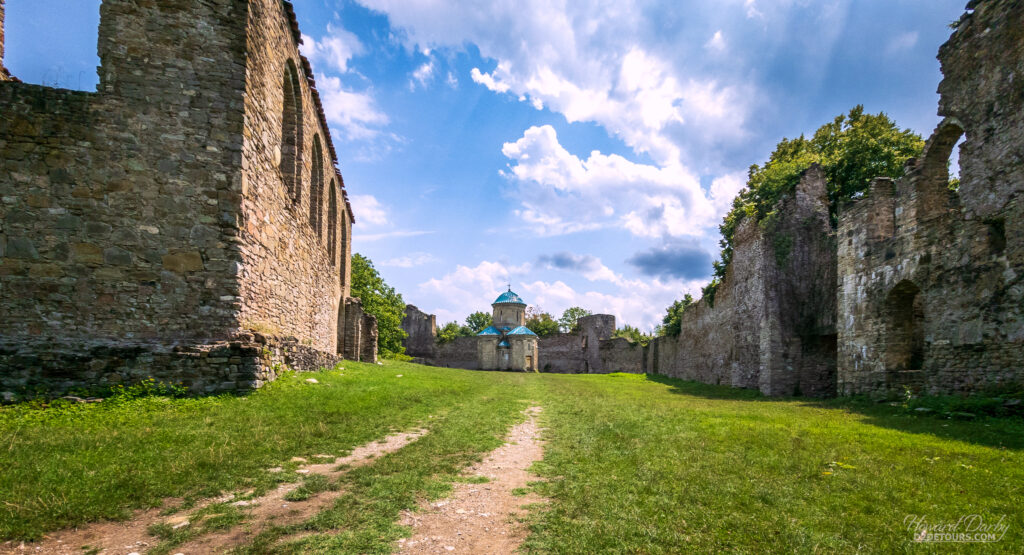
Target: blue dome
x,y
522,330
491,330
504,343
508,297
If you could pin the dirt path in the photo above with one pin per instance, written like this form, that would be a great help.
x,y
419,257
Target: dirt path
x,y
481,518
132,537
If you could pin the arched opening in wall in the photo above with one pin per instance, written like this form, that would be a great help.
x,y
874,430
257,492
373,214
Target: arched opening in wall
x,y
904,311
316,189
332,224
345,221
936,160
291,133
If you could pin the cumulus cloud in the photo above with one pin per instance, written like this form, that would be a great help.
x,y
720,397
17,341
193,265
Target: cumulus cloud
x,y
677,260
560,193
468,289
589,61
716,43
335,50
354,113
422,75
368,210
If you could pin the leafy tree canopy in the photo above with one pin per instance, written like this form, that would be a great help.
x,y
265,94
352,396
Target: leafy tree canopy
x,y
452,330
633,334
381,300
853,149
479,321
567,322
671,323
541,323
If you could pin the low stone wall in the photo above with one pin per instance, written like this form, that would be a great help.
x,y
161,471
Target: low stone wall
x,y
245,363
459,353
622,355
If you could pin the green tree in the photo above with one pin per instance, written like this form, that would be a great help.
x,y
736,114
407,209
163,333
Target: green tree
x,y
633,334
450,331
381,300
479,321
853,149
567,322
541,323
671,324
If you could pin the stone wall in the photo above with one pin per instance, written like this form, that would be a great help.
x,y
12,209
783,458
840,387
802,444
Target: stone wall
x,y
772,325
459,353
421,333
562,353
292,276
155,214
932,290
622,355
247,362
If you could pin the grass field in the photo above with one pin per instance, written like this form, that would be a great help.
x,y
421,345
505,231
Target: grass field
x,y
632,463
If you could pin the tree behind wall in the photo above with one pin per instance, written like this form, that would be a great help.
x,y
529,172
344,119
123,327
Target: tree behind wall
x,y
381,300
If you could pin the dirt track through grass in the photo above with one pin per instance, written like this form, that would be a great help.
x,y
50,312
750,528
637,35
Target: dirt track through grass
x,y
480,516
630,464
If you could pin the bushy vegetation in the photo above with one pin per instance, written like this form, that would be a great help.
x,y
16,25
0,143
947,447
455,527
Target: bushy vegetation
x,y
475,323
633,334
381,300
671,323
569,321
541,323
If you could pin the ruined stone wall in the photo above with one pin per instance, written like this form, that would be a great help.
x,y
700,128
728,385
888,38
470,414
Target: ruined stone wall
x,y
932,288
119,207
622,355
459,353
421,333
292,265
146,216
562,353
772,323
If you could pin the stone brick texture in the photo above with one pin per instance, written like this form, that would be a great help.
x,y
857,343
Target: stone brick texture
x,y
932,280
154,215
421,333
772,324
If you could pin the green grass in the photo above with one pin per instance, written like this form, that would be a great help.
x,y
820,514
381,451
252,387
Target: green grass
x,y
632,463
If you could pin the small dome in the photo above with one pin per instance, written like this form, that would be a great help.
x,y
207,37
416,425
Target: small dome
x,y
508,297
491,330
522,330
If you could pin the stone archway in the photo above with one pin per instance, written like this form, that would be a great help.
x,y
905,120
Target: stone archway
x,y
904,334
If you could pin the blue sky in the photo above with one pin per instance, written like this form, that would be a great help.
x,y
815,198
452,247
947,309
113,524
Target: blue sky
x,y
583,151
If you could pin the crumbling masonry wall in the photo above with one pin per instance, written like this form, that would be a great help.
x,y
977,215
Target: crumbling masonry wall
x,y
772,325
421,333
155,216
932,289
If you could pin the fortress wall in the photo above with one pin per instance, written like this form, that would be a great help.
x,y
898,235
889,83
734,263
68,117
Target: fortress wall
x,y
562,353
621,355
421,331
292,269
459,353
931,296
772,323
123,230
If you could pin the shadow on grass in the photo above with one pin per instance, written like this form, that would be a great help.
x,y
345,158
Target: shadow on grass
x,y
991,431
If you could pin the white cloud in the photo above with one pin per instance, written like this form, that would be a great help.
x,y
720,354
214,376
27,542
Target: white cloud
x,y
410,261
560,193
716,42
354,113
422,75
466,290
398,233
368,210
589,61
334,50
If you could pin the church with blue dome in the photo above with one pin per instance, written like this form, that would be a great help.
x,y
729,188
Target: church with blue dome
x,y
508,344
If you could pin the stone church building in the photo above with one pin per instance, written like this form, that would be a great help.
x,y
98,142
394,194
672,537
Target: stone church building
x,y
187,220
507,344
